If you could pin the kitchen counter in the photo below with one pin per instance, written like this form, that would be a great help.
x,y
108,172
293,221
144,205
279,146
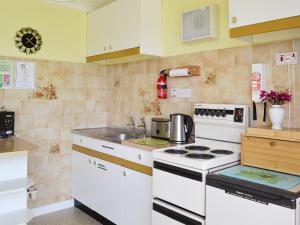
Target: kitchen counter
x,y
14,145
131,143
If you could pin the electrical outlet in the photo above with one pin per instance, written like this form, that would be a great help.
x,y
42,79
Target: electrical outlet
x,y
181,93
286,58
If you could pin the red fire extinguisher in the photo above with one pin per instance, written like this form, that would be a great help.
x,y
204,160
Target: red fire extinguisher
x,y
162,85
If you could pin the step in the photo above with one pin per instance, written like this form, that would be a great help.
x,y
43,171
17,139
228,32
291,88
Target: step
x,y
16,217
15,185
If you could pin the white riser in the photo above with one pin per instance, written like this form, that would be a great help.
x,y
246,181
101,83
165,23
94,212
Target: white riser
x,y
13,167
13,201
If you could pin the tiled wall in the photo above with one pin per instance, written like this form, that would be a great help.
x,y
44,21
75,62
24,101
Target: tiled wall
x,y
225,78
70,95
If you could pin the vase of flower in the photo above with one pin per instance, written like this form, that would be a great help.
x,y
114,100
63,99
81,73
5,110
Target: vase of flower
x,y
276,112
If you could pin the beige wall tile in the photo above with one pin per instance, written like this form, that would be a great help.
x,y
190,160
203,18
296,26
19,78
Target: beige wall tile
x,y
261,53
243,56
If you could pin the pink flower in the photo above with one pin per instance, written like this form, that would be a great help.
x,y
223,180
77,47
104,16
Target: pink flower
x,y
275,97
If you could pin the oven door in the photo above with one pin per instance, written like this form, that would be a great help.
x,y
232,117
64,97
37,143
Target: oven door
x,y
180,186
164,213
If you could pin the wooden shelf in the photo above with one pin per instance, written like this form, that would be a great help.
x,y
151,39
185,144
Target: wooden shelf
x,y
16,217
15,185
193,70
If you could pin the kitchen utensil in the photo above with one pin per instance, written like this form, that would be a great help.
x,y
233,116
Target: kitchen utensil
x,y
160,128
181,128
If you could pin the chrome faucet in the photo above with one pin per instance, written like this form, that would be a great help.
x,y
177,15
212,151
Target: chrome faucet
x,y
143,125
132,124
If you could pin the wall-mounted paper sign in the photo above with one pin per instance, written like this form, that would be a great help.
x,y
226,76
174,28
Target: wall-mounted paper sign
x,y
25,75
7,74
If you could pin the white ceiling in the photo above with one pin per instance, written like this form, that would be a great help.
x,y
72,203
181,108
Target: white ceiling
x,y
84,5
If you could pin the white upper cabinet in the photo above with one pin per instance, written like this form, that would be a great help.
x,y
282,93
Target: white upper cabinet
x,y
123,25
249,12
97,32
124,29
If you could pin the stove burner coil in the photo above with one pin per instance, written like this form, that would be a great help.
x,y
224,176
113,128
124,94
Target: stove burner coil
x,y
221,151
176,151
197,148
199,156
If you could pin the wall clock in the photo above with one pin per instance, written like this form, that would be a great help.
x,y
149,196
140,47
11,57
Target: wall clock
x,y
28,40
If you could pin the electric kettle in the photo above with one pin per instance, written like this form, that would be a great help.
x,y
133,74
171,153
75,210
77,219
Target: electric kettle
x,y
181,128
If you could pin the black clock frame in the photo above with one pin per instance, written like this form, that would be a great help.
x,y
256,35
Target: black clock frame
x,y
28,40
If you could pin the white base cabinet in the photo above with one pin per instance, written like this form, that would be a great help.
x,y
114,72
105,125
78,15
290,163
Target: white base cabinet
x,y
119,194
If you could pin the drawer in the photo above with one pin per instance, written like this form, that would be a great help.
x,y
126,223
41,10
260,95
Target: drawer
x,y
278,155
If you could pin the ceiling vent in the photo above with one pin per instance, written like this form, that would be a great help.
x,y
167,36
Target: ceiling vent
x,y
201,23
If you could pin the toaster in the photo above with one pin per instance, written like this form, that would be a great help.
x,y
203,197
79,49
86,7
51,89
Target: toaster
x,y
160,128
7,124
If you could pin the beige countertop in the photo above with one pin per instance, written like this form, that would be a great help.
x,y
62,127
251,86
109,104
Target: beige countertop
x,y
15,145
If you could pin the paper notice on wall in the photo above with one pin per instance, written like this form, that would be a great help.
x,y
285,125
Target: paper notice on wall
x,y
25,75
7,74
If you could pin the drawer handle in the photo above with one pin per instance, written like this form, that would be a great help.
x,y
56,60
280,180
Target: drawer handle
x,y
140,156
104,146
99,167
272,143
124,174
234,19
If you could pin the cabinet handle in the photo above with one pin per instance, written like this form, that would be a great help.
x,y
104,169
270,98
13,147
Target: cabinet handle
x,y
81,140
104,48
140,156
272,143
234,19
104,146
124,174
95,163
110,47
90,161
99,167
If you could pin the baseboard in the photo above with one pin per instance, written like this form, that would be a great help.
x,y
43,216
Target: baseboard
x,y
92,213
52,208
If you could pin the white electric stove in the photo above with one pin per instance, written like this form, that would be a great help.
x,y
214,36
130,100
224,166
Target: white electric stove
x,y
179,175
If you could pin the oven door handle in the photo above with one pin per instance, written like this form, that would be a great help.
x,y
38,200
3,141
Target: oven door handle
x,y
175,215
178,171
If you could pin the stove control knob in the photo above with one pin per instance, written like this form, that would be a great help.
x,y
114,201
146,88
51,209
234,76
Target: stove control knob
x,y
206,113
201,112
197,112
223,113
218,113
212,113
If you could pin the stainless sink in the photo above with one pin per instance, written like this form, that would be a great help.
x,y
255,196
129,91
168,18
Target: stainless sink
x,y
122,137
116,135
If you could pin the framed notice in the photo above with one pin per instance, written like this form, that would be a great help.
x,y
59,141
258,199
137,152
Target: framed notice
x,y
25,75
7,74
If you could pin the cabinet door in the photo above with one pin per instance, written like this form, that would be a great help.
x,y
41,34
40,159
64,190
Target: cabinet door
x,y
137,198
82,167
124,25
244,12
108,185
97,32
